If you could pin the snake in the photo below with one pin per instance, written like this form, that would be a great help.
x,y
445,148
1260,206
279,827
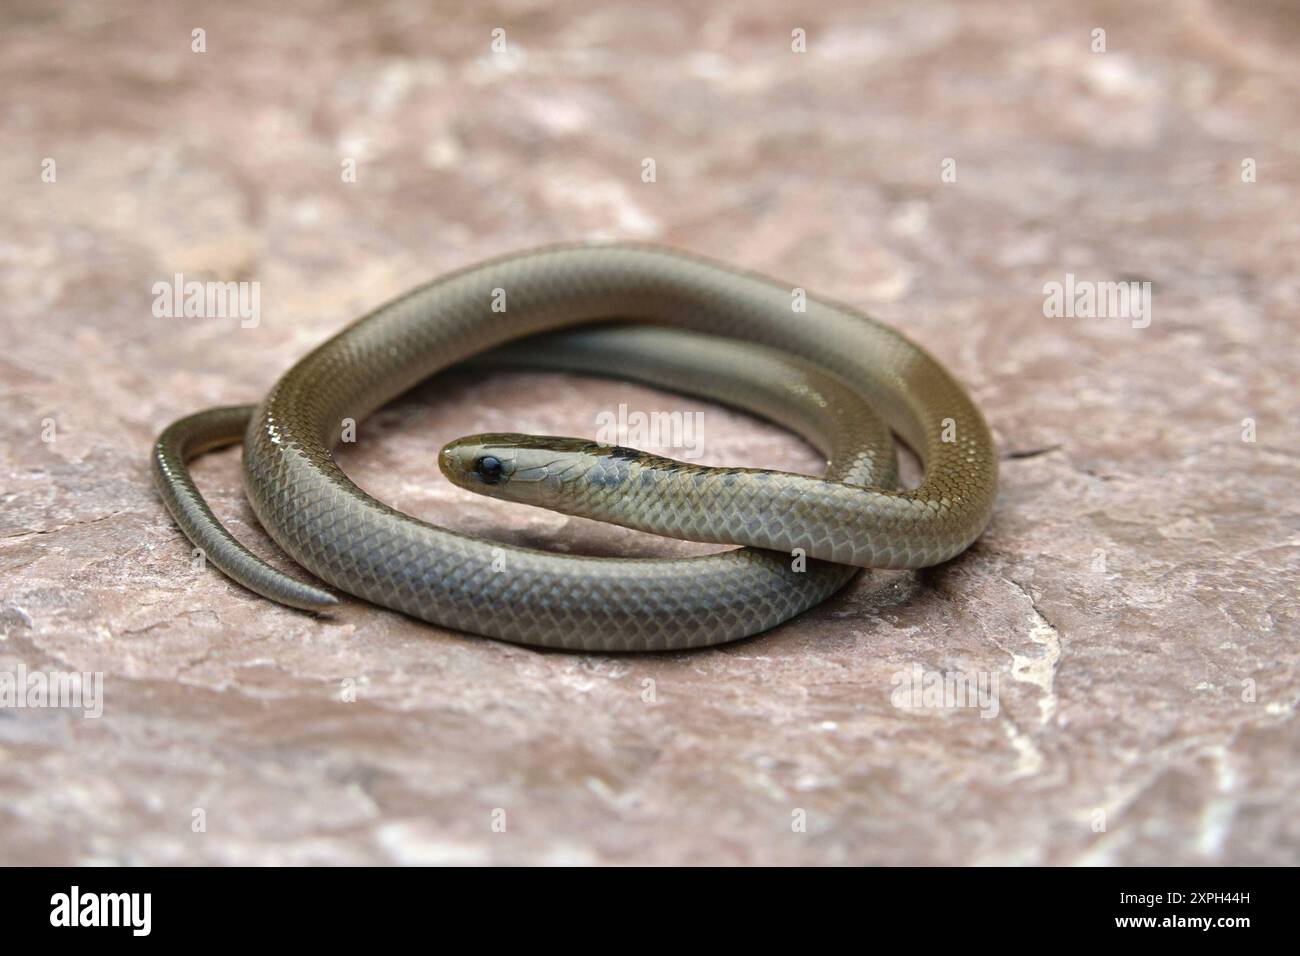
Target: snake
x,y
843,381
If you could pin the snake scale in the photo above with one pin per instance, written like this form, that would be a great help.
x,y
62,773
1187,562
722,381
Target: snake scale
x,y
828,372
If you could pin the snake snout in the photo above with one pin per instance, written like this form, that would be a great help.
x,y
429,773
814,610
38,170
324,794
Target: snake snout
x,y
478,460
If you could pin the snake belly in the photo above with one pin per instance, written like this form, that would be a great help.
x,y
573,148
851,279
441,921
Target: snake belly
x,y
854,514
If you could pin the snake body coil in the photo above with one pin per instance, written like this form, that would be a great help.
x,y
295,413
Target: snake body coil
x,y
853,517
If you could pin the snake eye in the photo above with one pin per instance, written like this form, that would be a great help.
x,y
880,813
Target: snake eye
x,y
489,469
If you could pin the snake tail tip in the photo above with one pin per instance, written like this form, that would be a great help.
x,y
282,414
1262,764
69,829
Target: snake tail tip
x,y
309,599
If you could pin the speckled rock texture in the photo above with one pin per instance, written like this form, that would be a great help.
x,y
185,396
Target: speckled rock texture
x,y
1131,614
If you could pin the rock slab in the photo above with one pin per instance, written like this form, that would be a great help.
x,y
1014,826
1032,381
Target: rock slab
x,y
1131,613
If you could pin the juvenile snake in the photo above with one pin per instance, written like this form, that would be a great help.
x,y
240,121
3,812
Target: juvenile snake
x,y
820,372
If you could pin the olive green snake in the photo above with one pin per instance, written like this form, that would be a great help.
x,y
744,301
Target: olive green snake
x,y
830,373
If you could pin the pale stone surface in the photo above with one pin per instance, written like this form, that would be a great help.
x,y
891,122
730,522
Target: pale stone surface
x,y
1138,581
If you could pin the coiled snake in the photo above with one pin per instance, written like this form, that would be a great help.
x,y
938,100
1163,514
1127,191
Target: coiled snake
x,y
825,372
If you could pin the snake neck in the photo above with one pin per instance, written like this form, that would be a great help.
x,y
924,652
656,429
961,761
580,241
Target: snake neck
x,y
819,518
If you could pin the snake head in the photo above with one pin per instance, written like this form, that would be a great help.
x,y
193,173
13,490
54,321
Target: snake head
x,y
533,469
